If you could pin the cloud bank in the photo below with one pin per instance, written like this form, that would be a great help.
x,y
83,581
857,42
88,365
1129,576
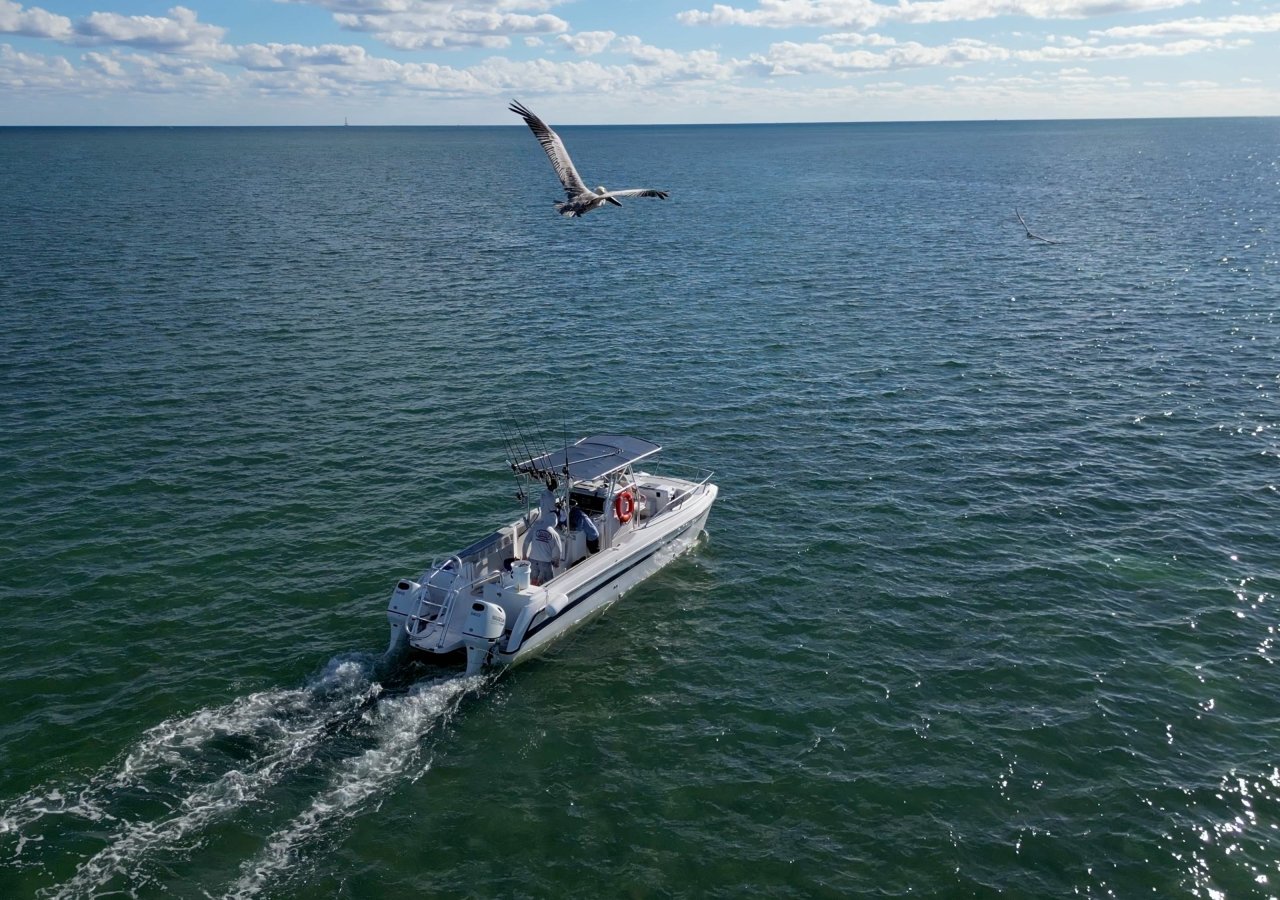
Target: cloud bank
x,y
829,55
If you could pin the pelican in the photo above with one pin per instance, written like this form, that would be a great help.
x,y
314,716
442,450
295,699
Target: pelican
x,y
1031,235
581,198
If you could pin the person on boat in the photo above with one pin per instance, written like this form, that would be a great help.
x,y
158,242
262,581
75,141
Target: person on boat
x,y
546,547
580,521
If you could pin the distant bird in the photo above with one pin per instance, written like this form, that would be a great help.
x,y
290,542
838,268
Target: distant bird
x,y
581,198
1031,234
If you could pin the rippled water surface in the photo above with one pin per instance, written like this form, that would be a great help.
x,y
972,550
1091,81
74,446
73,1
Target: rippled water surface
x,y
988,603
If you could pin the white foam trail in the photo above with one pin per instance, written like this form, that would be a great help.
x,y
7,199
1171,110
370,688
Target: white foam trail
x,y
290,742
80,802
401,725
167,745
164,745
174,746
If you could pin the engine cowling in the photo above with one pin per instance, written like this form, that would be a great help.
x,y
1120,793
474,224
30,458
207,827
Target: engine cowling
x,y
480,631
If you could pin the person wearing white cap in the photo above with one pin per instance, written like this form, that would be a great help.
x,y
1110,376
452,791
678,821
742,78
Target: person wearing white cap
x,y
546,547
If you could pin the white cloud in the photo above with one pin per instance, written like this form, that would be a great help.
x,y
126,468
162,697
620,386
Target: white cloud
x,y
448,26
923,11
1125,51
862,14
792,13
106,65
1081,78
295,56
32,21
406,39
1197,27
857,39
170,75
180,31
789,58
436,24
413,7
587,43
31,70
662,64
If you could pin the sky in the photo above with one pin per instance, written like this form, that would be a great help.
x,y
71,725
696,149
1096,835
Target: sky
x,y
430,62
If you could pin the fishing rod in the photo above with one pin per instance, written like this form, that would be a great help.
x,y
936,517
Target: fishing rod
x,y
542,444
533,458
509,448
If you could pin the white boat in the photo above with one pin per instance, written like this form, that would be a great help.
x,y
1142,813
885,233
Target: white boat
x,y
482,600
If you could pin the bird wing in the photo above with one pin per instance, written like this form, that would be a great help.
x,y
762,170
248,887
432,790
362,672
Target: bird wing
x,y
551,143
637,192
1031,234
1022,220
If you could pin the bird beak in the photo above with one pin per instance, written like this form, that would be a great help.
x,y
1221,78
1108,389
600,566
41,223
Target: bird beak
x,y
614,201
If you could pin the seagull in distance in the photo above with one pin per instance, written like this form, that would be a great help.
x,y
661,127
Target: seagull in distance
x,y
581,198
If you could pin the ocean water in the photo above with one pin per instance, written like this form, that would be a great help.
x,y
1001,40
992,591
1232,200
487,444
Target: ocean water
x,y
989,602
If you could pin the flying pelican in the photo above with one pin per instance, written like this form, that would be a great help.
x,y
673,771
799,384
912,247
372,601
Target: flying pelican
x,y
581,198
1031,234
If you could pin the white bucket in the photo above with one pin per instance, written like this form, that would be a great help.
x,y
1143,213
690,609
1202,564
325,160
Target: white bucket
x,y
522,571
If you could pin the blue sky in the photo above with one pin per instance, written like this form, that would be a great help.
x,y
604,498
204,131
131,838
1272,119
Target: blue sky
x,y
379,62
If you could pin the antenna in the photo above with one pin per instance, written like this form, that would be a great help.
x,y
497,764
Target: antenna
x,y
568,482
564,428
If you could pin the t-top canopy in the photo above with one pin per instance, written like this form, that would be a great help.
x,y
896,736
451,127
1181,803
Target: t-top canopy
x,y
592,457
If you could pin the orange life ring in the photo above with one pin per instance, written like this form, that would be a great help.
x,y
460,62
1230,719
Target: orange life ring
x,y
624,506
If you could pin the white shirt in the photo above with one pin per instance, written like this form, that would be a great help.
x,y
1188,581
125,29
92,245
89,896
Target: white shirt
x,y
546,545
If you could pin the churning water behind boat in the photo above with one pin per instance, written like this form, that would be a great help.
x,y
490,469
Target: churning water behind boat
x,y
197,782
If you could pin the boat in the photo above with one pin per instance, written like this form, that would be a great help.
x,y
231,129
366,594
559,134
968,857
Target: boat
x,y
618,524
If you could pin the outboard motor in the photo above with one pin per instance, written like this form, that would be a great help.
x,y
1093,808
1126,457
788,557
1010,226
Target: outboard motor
x,y
403,602
481,630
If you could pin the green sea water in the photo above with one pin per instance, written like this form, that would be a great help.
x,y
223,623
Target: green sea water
x,y
988,603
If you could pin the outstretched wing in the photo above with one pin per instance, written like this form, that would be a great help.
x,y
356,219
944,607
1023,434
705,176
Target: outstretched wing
x,y
1031,234
550,141
637,192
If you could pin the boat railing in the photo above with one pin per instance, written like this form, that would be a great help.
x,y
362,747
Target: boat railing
x,y
491,578
700,478
681,471
435,613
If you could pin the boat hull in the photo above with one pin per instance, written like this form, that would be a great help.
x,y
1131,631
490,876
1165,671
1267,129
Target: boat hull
x,y
597,592
525,620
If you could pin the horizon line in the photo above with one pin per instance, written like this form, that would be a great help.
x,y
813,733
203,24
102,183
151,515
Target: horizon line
x,y
669,124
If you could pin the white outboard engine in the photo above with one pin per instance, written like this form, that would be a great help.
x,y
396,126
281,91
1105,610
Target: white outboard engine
x,y
484,625
403,602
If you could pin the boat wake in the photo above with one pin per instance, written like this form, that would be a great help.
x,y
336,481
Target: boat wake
x,y
188,779
396,755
